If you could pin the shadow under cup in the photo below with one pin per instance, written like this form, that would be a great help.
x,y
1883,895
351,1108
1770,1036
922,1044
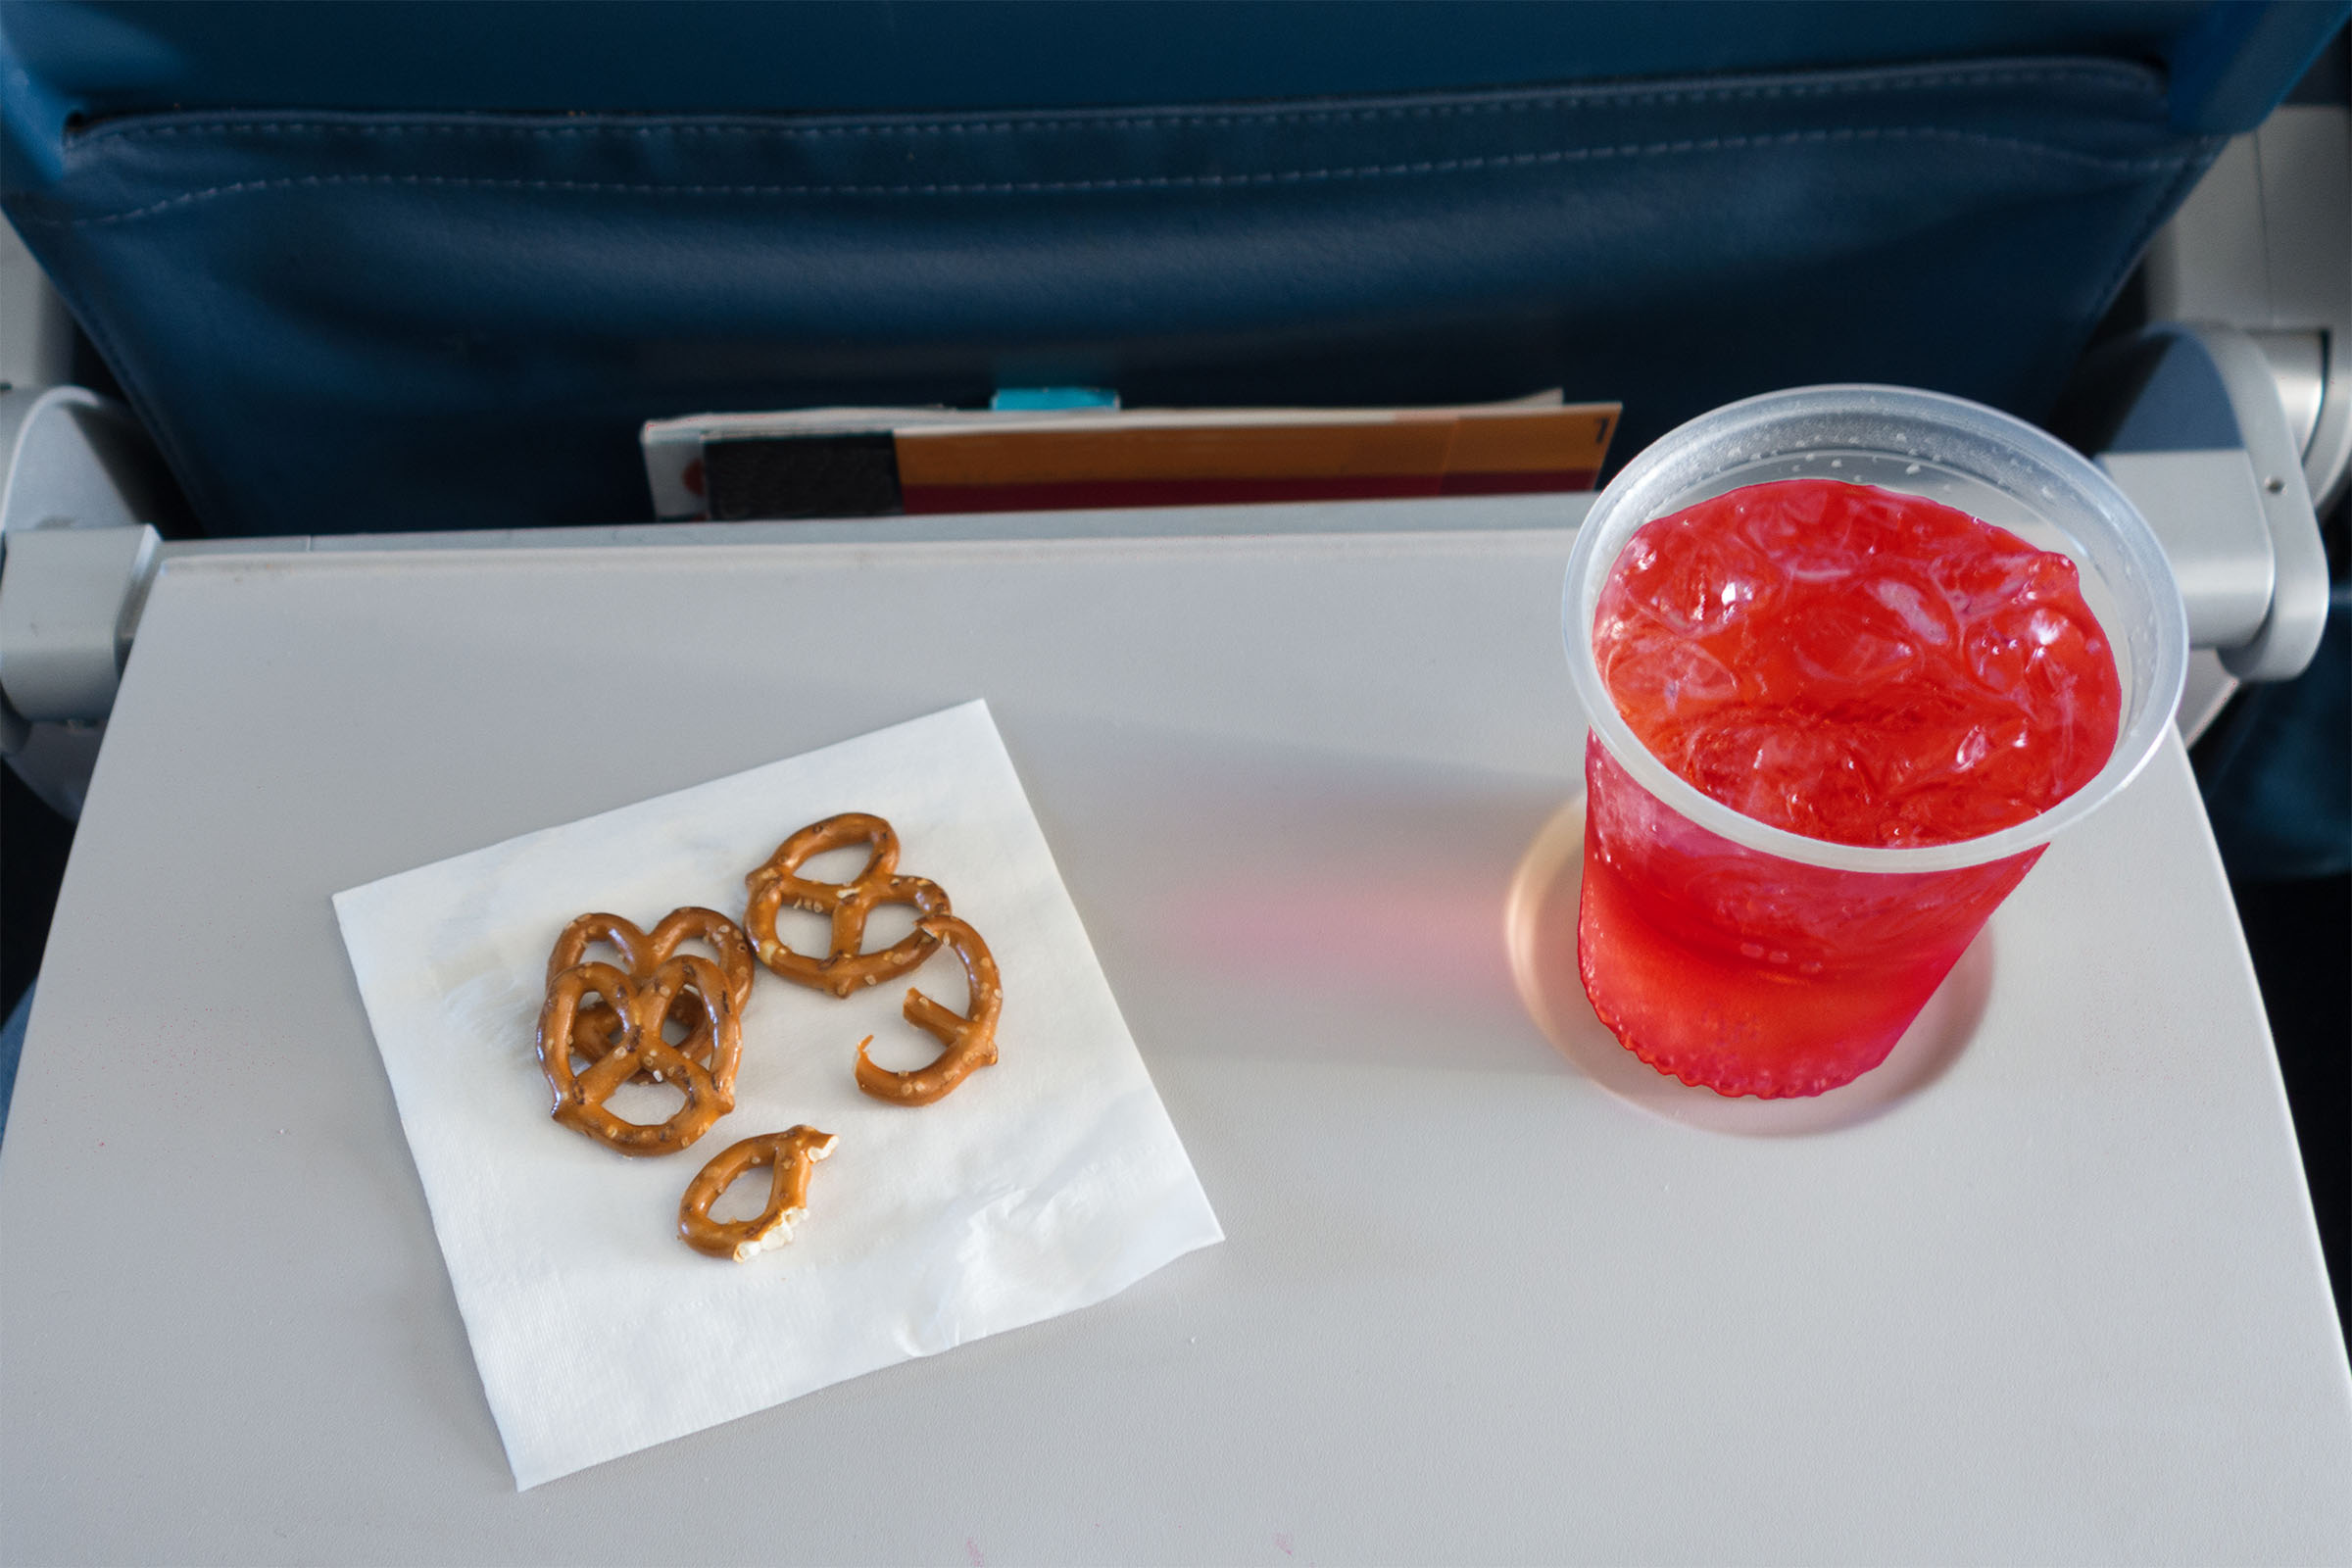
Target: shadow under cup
x,y
1752,960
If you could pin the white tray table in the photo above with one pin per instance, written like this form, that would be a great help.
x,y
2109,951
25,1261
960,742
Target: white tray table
x,y
2063,1304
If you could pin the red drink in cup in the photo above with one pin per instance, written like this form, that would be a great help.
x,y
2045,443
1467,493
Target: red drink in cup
x,y
1853,665
1834,723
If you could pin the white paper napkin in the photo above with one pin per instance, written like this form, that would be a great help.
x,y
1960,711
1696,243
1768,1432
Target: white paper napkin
x,y
1044,1184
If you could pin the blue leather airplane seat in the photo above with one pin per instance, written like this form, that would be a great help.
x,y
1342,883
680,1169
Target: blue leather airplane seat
x,y
396,267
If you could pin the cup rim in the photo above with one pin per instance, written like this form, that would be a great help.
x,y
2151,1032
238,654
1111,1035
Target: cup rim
x,y
2146,723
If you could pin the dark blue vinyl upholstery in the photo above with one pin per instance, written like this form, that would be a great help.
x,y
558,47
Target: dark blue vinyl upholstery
x,y
389,267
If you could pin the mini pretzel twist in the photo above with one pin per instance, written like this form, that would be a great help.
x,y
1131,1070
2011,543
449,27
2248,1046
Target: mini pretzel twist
x,y
845,968
970,1042
791,1155
597,1030
579,1099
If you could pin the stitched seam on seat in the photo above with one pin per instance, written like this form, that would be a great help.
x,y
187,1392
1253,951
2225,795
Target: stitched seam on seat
x,y
196,481
2158,210
2060,355
1142,182
2126,78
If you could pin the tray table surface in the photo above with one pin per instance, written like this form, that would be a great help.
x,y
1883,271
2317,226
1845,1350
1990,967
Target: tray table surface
x,y
2064,1302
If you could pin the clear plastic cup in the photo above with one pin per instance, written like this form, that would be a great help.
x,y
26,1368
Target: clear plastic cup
x,y
1758,961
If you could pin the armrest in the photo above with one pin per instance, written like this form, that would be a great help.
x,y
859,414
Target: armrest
x,y
2187,419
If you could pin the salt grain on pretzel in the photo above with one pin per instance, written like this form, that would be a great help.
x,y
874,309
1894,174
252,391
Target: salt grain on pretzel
x,y
595,1029
790,1156
970,1042
641,1005
845,968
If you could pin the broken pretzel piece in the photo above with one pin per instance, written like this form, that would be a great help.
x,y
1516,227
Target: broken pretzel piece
x,y
641,1007
844,967
790,1156
970,1042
